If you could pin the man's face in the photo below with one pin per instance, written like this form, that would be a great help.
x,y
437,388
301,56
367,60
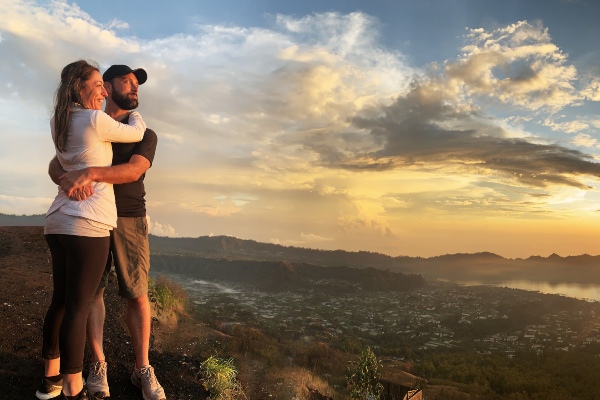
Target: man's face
x,y
125,91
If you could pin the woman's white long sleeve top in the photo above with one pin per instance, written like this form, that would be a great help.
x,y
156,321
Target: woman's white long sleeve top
x,y
89,145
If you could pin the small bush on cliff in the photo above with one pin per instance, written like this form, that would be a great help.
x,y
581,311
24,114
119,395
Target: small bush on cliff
x,y
219,378
363,377
167,296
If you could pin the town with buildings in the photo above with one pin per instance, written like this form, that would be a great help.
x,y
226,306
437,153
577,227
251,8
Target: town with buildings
x,y
440,315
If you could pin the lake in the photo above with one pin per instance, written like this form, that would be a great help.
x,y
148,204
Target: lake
x,y
578,291
200,289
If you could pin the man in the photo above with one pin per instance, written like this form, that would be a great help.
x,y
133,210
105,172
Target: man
x,y
129,241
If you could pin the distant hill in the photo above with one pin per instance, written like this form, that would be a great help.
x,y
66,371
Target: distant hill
x,y
22,220
484,267
278,276
241,249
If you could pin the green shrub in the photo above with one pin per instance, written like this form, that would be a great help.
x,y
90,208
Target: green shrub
x,y
166,295
219,378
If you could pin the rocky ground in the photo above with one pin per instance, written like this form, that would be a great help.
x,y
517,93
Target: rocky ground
x,y
25,292
177,347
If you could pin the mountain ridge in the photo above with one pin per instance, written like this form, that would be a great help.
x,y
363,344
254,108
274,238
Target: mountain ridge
x,y
231,243
279,276
481,267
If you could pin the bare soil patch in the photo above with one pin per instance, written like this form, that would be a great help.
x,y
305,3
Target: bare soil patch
x,y
25,292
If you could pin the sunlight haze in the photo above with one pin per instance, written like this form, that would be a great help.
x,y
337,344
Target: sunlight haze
x,y
412,128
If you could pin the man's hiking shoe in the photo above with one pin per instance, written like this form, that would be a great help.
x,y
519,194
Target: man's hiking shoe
x,y
49,389
97,383
145,380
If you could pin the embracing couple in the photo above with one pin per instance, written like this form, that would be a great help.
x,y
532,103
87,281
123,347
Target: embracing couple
x,y
92,224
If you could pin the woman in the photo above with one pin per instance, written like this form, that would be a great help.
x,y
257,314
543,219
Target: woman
x,y
77,232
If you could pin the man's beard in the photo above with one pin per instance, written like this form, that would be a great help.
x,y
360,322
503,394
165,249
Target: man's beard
x,y
124,102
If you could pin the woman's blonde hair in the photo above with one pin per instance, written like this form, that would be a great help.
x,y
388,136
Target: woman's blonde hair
x,y
72,80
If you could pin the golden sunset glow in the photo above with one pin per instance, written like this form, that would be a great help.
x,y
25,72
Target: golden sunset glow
x,y
320,129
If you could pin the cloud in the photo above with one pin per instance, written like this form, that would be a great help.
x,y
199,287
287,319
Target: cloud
x,y
24,205
567,127
311,125
158,229
29,30
517,64
585,141
311,237
592,90
117,24
261,94
358,226
424,129
437,123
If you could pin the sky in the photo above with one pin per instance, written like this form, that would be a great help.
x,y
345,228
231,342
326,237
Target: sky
x,y
407,127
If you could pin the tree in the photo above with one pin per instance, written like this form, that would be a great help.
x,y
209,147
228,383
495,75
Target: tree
x,y
363,377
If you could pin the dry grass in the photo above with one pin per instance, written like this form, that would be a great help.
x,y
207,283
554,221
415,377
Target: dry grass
x,y
440,392
301,380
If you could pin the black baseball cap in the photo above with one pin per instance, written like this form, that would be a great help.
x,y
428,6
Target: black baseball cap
x,y
115,71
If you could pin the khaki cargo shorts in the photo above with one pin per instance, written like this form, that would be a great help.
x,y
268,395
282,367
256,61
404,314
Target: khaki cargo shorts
x,y
130,254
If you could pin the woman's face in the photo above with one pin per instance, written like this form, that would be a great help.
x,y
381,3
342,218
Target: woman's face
x,y
93,93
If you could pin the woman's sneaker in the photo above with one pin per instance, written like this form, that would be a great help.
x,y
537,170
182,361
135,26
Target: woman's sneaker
x,y
83,395
145,380
49,389
97,382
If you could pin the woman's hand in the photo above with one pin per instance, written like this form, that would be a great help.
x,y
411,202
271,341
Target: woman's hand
x,y
77,184
81,193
